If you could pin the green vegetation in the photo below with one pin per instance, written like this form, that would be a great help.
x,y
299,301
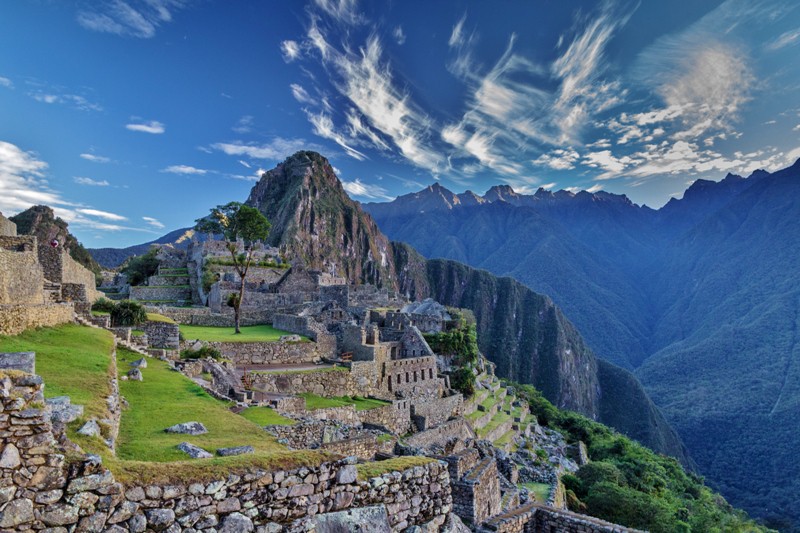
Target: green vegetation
x,y
398,464
128,313
140,267
235,221
265,416
73,361
165,398
494,423
628,484
155,317
261,333
103,305
361,404
201,353
461,342
540,491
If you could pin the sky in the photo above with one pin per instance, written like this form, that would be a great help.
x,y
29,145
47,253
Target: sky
x,y
132,118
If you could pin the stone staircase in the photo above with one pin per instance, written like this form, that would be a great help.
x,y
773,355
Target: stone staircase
x,y
83,321
497,415
170,286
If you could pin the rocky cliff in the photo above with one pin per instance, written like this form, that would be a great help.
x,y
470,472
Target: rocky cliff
x,y
524,333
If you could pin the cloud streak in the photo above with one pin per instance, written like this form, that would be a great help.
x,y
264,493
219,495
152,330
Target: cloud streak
x,y
135,18
153,127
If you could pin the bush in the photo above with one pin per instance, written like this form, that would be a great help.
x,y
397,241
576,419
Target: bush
x,y
463,380
127,313
104,305
141,267
202,353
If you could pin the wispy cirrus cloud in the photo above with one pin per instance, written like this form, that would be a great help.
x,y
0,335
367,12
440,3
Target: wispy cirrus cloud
x,y
132,18
343,11
7,83
153,127
91,182
244,124
277,149
358,189
153,222
24,184
788,38
399,35
73,100
290,50
94,158
301,95
185,170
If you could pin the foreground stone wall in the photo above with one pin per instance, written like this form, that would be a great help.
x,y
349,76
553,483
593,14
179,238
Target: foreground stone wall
x,y
41,490
14,319
21,278
534,517
7,228
162,335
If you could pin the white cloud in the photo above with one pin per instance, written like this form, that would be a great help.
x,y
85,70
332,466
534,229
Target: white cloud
x,y
153,222
324,127
89,181
796,128
184,169
301,95
74,100
786,39
457,37
101,214
133,18
399,35
151,126
290,50
341,10
605,160
244,163
5,82
95,158
244,124
360,189
549,186
277,149
594,188
558,159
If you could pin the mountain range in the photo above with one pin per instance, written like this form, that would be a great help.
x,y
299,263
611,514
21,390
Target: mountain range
x,y
700,299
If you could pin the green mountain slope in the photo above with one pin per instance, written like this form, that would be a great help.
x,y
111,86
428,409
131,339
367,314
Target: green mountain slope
x,y
700,298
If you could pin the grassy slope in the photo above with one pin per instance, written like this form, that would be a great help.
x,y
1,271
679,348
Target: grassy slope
x,y
264,416
165,398
362,404
262,333
73,361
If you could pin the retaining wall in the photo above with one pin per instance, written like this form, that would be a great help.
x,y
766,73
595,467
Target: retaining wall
x,y
21,278
322,383
39,489
14,319
270,353
162,335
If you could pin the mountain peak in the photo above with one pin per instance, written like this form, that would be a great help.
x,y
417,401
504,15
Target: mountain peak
x,y
500,193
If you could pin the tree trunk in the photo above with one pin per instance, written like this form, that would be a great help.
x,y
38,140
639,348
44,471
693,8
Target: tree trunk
x,y
237,307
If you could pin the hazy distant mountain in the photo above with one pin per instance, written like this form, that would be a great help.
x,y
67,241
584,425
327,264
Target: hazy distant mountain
x,y
701,298
113,257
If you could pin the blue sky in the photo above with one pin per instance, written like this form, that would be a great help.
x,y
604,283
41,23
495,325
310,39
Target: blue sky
x,y
133,117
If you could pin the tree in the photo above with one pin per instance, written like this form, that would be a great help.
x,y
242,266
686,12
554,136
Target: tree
x,y
235,221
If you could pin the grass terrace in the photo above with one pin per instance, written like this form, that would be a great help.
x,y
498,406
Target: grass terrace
x,y
498,419
541,491
155,317
361,404
266,416
398,464
261,333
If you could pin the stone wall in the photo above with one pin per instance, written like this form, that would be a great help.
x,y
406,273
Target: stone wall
x,y
21,278
162,335
202,316
433,412
415,377
14,319
476,496
161,294
39,489
395,417
7,228
327,383
534,517
457,428
270,353
365,447
308,327
59,267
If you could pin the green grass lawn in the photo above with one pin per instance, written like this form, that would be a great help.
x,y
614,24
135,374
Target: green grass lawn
x,y
398,464
541,491
265,416
262,333
101,313
362,404
498,419
166,397
73,360
155,317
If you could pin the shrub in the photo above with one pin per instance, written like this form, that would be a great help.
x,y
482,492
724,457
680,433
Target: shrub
x,y
141,267
128,313
104,305
463,380
202,353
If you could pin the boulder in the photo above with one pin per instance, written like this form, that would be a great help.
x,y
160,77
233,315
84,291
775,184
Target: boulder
x,y
10,457
195,452
140,363
90,429
188,428
135,375
62,411
236,523
236,450
17,512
